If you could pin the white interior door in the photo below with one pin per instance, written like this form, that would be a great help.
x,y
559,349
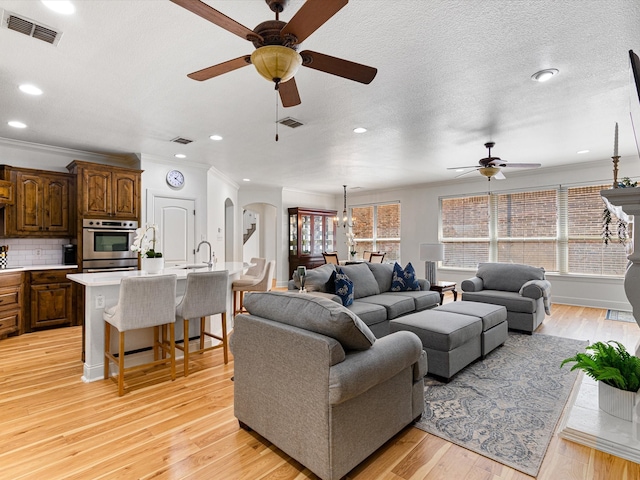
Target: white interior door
x,y
176,221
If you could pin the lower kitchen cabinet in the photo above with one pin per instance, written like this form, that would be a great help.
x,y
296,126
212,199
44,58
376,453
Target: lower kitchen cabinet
x,y
51,297
11,302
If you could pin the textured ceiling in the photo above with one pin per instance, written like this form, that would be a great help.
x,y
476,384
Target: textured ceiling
x,y
452,75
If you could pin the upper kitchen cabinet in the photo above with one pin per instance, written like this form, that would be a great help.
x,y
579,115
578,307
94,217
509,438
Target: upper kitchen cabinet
x,y
106,191
41,206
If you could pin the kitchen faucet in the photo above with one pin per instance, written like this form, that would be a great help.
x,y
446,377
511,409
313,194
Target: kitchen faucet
x,y
210,262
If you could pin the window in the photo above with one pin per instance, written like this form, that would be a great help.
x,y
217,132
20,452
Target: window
x,y
377,229
465,230
526,224
558,229
586,252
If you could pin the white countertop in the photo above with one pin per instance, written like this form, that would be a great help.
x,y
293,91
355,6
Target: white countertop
x,y
114,278
37,267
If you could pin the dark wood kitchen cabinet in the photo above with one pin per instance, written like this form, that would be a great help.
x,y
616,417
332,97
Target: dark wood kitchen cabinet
x,y
41,206
11,303
51,297
107,192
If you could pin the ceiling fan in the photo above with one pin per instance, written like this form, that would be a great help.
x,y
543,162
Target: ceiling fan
x,y
276,42
491,166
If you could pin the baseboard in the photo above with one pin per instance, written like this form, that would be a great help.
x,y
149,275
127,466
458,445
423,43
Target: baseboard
x,y
592,303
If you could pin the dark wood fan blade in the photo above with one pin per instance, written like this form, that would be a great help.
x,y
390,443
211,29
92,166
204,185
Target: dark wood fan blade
x,y
219,69
311,16
289,93
214,16
337,66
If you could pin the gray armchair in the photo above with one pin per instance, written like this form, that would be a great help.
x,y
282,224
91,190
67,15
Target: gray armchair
x,y
522,289
312,379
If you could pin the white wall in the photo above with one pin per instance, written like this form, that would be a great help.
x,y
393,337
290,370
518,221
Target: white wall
x,y
420,217
195,187
55,159
219,190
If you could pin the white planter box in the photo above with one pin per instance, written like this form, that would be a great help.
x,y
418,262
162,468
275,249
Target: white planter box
x,y
153,265
616,402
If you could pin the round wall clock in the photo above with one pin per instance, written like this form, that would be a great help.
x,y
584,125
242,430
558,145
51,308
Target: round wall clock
x,y
175,178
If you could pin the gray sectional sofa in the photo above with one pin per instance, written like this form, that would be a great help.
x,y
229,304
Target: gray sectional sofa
x,y
373,301
522,289
311,378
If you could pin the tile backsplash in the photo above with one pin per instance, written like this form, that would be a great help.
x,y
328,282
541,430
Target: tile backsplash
x,y
34,251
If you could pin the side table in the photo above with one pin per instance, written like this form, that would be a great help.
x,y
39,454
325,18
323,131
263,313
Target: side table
x,y
442,287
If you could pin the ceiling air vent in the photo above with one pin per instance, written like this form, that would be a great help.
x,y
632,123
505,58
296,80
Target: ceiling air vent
x,y
29,27
290,122
182,141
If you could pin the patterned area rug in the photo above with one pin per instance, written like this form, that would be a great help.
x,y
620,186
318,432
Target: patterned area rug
x,y
506,406
620,316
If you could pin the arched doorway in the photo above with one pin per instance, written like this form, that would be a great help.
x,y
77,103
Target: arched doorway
x,y
259,231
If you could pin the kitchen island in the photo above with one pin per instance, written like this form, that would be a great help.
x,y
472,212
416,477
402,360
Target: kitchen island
x,y
102,290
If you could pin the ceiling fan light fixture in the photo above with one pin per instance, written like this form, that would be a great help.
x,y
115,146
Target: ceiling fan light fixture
x,y
489,171
276,62
544,75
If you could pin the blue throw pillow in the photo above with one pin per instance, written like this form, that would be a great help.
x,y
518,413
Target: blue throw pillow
x,y
344,288
404,280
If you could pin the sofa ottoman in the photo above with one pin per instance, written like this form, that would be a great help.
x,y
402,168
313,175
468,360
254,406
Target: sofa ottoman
x,y
452,340
495,328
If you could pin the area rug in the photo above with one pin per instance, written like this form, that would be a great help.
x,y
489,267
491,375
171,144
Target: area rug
x,y
620,316
506,406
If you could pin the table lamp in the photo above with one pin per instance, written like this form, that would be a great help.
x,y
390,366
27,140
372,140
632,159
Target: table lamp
x,y
431,253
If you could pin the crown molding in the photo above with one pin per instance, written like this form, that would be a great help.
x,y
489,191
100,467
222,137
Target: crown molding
x,y
121,159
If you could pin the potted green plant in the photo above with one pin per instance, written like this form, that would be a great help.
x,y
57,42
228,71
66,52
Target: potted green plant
x,y
617,373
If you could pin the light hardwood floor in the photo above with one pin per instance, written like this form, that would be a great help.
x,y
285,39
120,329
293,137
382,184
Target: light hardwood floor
x,y
54,426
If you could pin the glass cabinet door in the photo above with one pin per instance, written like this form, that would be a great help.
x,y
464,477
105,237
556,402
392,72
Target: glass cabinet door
x,y
318,235
329,245
293,234
305,234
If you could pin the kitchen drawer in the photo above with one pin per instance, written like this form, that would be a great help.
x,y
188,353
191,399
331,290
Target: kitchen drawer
x,y
39,277
9,322
10,297
10,279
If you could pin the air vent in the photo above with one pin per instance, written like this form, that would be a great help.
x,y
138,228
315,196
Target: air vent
x,y
182,141
29,27
290,122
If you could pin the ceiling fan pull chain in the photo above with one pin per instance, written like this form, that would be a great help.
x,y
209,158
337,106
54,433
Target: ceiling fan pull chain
x,y
277,112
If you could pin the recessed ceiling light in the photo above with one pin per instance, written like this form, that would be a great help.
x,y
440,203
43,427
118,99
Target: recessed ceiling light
x,y
16,124
180,155
544,75
246,179
217,138
60,6
30,89
359,130
582,151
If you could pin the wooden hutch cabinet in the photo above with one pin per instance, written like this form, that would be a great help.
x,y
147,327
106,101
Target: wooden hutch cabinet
x,y
311,232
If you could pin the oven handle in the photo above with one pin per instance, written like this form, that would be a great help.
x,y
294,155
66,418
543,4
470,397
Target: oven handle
x,y
100,270
108,230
